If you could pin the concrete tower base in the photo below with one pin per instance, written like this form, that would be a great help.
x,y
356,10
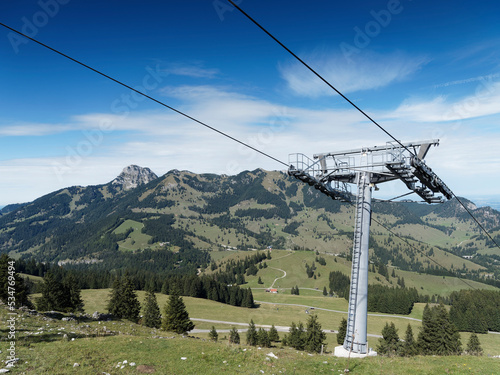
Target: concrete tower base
x,y
340,351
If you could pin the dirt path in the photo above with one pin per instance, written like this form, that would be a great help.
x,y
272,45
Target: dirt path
x,y
279,269
276,279
338,311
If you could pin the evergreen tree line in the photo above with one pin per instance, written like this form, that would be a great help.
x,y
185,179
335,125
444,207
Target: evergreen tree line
x,y
68,281
213,287
339,284
392,300
60,295
476,310
60,291
235,270
438,336
124,304
261,337
380,298
161,230
311,338
143,267
292,227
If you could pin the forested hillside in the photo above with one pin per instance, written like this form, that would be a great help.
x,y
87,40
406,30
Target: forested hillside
x,y
174,221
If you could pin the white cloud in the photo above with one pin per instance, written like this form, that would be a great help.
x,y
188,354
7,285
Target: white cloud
x,y
364,72
197,93
164,140
482,103
194,70
32,129
468,80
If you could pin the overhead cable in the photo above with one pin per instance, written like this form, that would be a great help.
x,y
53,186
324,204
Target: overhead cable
x,y
145,95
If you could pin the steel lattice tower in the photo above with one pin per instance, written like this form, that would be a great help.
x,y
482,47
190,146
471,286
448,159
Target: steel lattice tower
x,y
331,173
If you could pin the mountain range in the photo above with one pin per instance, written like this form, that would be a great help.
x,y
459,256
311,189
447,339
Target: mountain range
x,y
252,210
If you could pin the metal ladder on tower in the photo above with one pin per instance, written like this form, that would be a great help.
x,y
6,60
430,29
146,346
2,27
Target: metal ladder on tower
x,y
353,292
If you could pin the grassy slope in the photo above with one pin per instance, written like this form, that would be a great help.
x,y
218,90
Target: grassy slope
x,y
293,263
136,240
281,311
42,350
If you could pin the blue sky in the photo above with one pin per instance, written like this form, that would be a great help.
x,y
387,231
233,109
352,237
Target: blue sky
x,y
422,69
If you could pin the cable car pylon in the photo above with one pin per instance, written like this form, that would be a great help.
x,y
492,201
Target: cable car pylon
x,y
332,172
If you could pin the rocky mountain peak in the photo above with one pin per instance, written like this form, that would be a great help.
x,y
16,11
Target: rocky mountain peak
x,y
133,176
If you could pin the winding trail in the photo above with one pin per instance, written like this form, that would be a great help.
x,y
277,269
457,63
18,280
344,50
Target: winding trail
x,y
279,269
338,311
276,279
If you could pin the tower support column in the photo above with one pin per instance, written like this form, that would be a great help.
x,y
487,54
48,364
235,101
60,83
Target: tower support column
x,y
356,335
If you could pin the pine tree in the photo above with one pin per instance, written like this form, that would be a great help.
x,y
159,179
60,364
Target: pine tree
x,y
123,301
474,346
152,314
314,337
213,335
438,335
389,343
260,281
131,305
234,336
61,296
296,336
248,299
325,293
74,301
342,331
263,338
409,347
252,338
176,318
114,304
53,296
273,334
